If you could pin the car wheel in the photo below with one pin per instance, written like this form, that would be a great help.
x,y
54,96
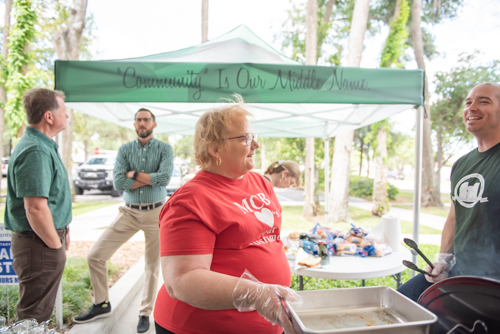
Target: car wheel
x,y
78,190
116,193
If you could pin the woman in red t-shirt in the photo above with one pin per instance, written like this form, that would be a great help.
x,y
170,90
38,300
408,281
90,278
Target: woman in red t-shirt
x,y
222,258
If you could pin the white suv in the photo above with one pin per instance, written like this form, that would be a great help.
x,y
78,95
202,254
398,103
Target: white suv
x,y
96,173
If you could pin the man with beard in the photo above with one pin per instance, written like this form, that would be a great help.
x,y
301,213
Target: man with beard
x,y
142,170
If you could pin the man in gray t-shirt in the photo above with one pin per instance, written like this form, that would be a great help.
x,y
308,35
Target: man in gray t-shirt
x,y
469,236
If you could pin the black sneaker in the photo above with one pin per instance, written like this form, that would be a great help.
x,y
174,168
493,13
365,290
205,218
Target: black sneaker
x,y
143,325
96,311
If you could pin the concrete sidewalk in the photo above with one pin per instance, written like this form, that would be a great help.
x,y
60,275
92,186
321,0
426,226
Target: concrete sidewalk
x,y
125,295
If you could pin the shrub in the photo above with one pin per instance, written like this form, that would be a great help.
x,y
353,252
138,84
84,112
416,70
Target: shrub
x,y
76,287
363,187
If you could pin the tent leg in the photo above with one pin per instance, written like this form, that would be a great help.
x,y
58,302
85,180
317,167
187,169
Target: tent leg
x,y
327,177
418,178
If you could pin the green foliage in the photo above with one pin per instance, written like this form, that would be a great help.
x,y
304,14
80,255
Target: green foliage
x,y
363,187
94,132
395,44
76,287
451,89
183,148
22,34
433,12
294,221
331,31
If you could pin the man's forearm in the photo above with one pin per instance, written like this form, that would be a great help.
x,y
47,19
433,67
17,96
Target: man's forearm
x,y
144,178
42,224
141,180
137,184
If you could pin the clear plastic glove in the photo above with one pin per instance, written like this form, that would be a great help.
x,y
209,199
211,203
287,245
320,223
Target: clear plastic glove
x,y
443,263
253,295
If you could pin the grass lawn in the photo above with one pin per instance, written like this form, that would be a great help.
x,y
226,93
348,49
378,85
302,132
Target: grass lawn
x,y
406,196
432,210
84,207
78,207
293,220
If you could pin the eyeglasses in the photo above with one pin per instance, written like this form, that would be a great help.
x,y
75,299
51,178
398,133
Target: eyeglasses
x,y
249,137
146,120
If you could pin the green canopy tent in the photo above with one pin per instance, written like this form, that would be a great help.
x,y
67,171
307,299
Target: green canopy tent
x,y
286,98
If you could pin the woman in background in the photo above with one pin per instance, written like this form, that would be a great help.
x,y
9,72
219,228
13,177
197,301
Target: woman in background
x,y
284,174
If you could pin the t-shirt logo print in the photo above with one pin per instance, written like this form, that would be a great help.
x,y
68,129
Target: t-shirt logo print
x,y
265,216
469,195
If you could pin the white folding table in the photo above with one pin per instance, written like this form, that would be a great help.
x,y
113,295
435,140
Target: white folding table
x,y
355,267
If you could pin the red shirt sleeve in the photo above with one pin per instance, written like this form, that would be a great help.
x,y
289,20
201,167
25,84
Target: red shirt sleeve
x,y
182,232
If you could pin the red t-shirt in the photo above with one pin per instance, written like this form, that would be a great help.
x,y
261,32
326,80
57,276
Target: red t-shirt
x,y
239,222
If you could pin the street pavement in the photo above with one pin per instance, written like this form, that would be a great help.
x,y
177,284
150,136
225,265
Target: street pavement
x,y
89,226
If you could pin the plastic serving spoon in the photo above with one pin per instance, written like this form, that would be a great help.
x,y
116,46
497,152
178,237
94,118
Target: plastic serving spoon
x,y
412,266
413,244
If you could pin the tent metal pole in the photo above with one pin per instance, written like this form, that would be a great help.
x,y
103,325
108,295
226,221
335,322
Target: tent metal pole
x,y
418,178
327,173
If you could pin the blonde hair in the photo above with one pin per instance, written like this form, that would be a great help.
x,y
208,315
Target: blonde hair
x,y
291,166
212,128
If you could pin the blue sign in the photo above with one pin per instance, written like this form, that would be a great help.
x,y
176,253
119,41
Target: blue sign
x,y
7,273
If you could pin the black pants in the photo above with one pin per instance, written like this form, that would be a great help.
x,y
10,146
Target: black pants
x,y
161,330
39,269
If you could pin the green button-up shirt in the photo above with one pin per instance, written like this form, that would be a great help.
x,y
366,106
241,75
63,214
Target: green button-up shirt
x,y
155,158
36,170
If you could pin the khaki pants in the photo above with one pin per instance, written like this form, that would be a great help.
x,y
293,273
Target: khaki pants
x,y
39,269
125,225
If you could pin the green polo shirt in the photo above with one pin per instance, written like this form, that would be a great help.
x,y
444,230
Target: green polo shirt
x,y
36,170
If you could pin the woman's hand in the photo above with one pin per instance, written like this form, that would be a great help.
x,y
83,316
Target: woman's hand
x,y
250,294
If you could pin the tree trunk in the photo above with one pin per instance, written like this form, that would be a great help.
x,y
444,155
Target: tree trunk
x,y
5,53
439,159
263,164
361,158
430,195
380,199
341,162
67,43
204,21
311,53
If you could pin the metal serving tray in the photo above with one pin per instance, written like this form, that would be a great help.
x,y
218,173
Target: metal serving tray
x,y
359,310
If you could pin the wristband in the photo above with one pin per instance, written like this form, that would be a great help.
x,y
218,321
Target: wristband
x,y
135,175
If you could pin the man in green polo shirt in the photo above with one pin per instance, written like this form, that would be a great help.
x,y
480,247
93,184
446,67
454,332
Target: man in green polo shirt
x,y
38,207
142,170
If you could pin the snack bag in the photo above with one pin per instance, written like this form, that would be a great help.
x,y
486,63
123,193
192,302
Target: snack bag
x,y
381,249
354,240
329,237
357,231
367,246
361,252
345,248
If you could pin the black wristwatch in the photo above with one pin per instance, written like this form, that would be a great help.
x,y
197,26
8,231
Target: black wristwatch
x,y
135,175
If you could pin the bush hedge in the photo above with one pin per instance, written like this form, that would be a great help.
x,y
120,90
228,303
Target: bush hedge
x,y
363,187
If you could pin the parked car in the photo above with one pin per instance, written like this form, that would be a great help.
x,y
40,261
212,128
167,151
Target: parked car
x,y
175,181
5,166
96,174
395,175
